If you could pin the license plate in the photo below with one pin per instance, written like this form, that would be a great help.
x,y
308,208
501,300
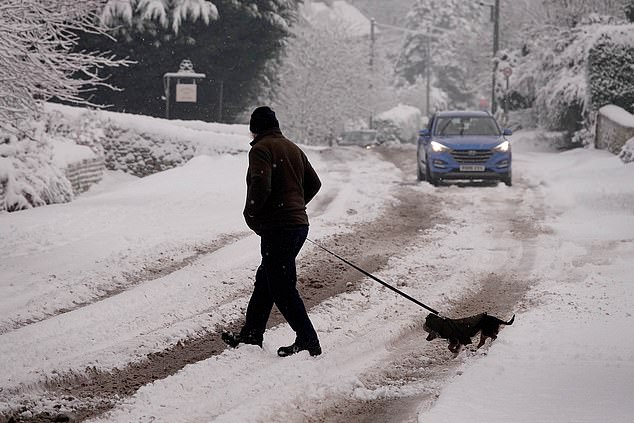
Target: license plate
x,y
471,168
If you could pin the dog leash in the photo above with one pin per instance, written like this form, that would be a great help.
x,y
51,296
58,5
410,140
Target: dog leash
x,y
368,274
454,324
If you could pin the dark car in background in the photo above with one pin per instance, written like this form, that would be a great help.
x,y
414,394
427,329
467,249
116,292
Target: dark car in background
x,y
464,145
366,138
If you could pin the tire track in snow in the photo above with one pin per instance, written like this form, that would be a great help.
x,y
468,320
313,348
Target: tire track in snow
x,y
369,245
416,370
157,266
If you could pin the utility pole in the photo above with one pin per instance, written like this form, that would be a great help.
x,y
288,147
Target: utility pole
x,y
428,72
372,40
496,45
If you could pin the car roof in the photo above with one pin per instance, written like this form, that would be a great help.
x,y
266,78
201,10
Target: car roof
x,y
463,113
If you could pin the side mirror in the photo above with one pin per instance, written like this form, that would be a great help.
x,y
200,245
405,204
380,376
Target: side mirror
x,y
424,133
507,132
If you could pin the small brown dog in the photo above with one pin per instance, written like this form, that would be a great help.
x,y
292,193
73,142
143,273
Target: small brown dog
x,y
460,331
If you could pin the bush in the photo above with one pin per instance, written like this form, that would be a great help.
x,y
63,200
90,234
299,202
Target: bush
x,y
28,175
610,74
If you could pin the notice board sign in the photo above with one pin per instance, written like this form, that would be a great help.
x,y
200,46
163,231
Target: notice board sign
x,y
186,93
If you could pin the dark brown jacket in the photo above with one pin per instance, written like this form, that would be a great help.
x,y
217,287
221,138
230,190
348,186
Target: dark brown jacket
x,y
280,182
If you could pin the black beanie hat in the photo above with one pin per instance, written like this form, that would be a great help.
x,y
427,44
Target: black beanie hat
x,y
263,118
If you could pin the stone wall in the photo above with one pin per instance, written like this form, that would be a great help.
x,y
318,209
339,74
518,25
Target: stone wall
x,y
83,174
614,127
142,154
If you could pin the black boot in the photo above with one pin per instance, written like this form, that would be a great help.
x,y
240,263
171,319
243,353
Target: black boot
x,y
234,340
313,348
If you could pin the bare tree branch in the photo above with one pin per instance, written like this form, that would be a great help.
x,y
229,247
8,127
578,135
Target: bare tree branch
x,y
38,61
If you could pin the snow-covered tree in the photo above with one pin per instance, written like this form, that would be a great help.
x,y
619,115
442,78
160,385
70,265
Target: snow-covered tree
x,y
459,49
167,13
38,61
520,17
146,15
324,82
571,12
565,74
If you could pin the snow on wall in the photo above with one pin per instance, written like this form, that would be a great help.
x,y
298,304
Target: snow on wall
x,y
84,173
67,149
614,127
143,145
81,165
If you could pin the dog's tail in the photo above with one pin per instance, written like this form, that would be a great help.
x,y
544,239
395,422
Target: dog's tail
x,y
510,322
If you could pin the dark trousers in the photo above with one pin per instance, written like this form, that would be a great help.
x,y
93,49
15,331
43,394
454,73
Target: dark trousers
x,y
275,283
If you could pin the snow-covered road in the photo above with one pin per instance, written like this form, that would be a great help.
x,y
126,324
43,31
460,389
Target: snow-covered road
x,y
137,268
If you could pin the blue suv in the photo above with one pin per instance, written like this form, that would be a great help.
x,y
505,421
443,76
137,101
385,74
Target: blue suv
x,y
463,145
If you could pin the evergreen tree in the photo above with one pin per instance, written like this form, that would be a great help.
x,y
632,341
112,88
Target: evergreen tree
x,y
168,14
231,42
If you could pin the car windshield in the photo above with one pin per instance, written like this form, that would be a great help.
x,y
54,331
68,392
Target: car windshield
x,y
359,137
466,125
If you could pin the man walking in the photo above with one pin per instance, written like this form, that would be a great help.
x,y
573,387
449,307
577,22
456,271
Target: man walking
x,y
280,182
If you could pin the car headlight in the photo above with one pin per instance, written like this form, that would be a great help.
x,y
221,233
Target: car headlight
x,y
438,147
503,147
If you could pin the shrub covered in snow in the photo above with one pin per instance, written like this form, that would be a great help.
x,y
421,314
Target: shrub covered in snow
x,y
50,159
399,124
560,72
29,176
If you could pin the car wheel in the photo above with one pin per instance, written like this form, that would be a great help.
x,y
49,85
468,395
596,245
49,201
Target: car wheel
x,y
430,179
419,174
508,180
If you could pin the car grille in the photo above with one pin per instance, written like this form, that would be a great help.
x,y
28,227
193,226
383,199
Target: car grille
x,y
471,156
